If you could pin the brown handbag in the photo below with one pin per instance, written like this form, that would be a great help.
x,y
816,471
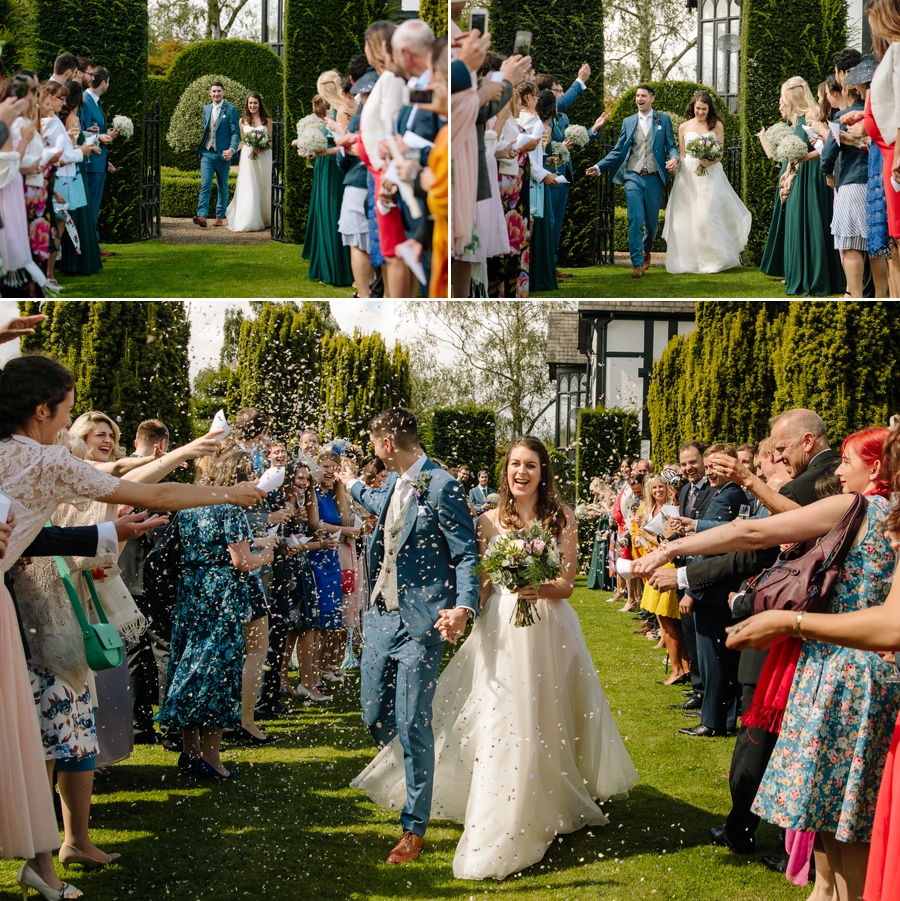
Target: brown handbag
x,y
805,574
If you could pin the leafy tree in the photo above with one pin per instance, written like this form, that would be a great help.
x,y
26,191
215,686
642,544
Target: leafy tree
x,y
211,393
500,359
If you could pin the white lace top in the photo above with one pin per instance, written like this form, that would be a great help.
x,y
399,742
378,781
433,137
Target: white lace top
x,y
37,478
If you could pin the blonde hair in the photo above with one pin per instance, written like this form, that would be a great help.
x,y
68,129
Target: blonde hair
x,y
649,482
76,446
328,85
799,99
82,427
377,35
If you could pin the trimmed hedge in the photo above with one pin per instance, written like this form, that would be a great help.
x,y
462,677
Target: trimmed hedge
x,y
567,33
339,27
434,12
464,436
180,191
564,472
621,233
605,435
119,45
779,40
250,63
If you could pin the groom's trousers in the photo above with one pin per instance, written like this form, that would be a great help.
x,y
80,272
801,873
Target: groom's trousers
x,y
643,195
399,677
212,164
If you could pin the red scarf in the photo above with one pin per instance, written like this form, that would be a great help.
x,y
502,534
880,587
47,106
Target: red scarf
x,y
774,686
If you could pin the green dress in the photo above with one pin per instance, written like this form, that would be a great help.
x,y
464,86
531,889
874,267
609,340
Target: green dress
x,y
598,575
773,255
541,263
89,260
812,267
329,259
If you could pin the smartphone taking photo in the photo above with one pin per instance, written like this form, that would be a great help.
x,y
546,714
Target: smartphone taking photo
x,y
523,43
478,18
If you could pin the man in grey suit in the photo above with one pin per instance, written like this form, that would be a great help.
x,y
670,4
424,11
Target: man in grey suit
x,y
221,136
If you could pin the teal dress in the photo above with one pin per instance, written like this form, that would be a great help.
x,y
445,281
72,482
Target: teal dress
x,y
825,772
541,262
203,687
329,259
599,578
773,254
89,260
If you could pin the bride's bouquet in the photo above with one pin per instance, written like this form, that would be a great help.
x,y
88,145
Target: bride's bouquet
x,y
256,138
123,125
523,557
310,137
703,147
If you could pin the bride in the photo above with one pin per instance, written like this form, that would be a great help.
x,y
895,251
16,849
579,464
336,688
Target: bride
x,y
706,225
525,742
250,209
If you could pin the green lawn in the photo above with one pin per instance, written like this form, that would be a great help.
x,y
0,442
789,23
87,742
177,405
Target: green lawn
x,y
616,281
290,828
154,269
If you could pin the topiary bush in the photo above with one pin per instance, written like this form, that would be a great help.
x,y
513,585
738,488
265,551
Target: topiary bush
x,y
464,436
339,27
252,63
186,126
779,40
604,437
434,12
114,35
181,189
567,33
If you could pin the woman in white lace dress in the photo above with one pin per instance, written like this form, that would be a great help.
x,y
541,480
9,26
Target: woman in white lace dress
x,y
36,398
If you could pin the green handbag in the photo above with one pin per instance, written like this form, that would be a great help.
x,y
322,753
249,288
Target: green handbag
x,y
102,643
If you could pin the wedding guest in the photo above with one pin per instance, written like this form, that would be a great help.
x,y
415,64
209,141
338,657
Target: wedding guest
x,y
85,74
94,120
65,68
439,190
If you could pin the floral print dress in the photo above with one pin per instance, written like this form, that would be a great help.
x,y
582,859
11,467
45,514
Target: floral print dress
x,y
203,687
508,275
825,771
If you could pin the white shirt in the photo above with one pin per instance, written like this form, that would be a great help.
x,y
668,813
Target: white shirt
x,y
645,120
405,484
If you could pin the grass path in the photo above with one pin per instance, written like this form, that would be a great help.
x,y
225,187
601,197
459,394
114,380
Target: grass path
x,y
290,829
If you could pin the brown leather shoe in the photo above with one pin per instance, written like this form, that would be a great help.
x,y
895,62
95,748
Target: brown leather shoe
x,y
200,220
646,260
561,276
638,272
407,849
218,223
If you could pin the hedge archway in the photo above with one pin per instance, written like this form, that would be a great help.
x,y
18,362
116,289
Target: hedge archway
x,y
248,62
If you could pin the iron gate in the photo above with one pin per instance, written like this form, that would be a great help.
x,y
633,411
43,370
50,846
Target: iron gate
x,y
151,186
277,227
605,220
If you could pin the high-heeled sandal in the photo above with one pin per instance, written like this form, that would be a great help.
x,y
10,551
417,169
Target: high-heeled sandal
x,y
27,878
69,854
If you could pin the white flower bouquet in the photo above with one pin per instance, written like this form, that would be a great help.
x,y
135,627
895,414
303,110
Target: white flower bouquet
x,y
703,147
310,137
123,125
557,154
578,135
256,138
785,147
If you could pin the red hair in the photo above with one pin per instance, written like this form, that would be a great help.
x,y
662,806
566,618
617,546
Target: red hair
x,y
868,445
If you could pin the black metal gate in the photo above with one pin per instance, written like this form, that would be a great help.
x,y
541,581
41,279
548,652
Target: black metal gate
x,y
605,220
151,196
733,153
277,228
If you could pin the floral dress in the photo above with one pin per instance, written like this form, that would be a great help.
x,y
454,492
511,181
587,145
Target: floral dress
x,y
203,687
825,771
508,275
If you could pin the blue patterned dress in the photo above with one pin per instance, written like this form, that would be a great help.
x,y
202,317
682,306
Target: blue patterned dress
x,y
825,771
203,687
327,569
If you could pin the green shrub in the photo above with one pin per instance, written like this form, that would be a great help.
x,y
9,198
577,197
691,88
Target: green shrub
x,y
621,233
567,33
779,40
249,62
464,436
604,437
114,35
186,126
434,12
181,189
564,473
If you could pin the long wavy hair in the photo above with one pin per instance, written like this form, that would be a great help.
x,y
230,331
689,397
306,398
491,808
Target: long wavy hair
x,y
84,425
712,117
261,112
548,509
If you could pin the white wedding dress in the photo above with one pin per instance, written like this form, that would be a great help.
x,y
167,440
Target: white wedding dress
x,y
524,740
706,225
250,209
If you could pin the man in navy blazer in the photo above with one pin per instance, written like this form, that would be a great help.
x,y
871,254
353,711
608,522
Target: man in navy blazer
x,y
94,122
221,136
644,156
422,564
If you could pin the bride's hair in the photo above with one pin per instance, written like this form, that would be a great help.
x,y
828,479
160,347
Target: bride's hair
x,y
261,112
712,117
548,509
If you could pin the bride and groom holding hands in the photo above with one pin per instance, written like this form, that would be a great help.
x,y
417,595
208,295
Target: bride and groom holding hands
x,y
225,133
706,225
515,739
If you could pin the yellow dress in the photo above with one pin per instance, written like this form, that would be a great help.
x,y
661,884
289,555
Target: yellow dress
x,y
661,603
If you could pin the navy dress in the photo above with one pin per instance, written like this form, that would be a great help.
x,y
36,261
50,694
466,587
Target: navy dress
x,y
294,592
327,571
203,687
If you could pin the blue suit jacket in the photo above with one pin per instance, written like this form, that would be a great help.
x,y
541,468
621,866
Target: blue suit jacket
x,y
437,553
477,500
559,125
91,114
664,147
228,128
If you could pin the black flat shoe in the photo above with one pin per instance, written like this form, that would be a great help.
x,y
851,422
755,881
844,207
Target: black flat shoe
x,y
691,714
692,703
720,837
700,731
775,864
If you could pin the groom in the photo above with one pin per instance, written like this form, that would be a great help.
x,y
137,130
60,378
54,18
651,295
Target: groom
x,y
422,558
221,136
641,160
